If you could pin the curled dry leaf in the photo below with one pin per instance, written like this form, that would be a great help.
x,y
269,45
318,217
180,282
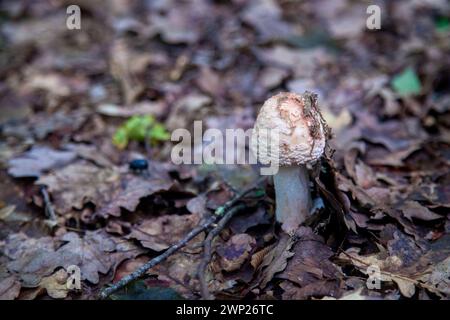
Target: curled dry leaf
x,y
56,284
276,260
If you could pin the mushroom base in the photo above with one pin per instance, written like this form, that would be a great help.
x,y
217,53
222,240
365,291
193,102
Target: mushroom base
x,y
293,198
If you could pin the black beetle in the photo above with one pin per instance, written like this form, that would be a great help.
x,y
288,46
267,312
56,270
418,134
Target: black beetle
x,y
138,165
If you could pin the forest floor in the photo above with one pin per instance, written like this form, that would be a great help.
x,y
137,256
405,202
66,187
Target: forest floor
x,y
77,105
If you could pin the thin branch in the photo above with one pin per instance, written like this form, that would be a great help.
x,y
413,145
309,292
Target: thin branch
x,y
139,272
218,214
49,212
221,210
208,251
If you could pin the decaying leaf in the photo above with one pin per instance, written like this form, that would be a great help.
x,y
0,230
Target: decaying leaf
x,y
159,233
413,209
33,259
236,251
9,288
405,265
310,262
82,182
56,284
79,183
329,289
38,160
276,260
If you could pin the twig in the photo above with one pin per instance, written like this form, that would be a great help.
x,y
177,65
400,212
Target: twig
x,y
139,272
219,213
221,210
207,253
49,212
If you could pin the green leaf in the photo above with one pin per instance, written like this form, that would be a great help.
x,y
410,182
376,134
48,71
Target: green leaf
x,y
159,133
120,138
138,126
442,24
407,83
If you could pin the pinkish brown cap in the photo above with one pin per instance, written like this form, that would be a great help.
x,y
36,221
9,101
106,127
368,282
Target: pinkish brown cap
x,y
299,124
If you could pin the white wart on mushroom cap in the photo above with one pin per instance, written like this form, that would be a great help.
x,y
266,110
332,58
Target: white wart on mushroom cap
x,y
300,126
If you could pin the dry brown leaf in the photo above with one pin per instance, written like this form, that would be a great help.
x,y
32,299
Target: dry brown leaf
x,y
413,209
276,260
236,251
9,288
159,233
82,182
56,285
310,262
38,160
97,252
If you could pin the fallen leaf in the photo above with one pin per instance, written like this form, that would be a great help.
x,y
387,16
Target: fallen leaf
x,y
310,262
82,182
250,218
356,295
159,233
128,196
413,209
197,205
39,160
56,285
10,214
89,152
266,17
329,289
276,260
236,251
79,183
9,288
34,259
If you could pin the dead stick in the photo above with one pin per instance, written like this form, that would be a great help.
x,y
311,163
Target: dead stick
x,y
48,205
220,212
207,253
139,272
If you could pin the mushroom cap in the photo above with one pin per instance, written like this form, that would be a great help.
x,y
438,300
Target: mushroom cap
x,y
300,126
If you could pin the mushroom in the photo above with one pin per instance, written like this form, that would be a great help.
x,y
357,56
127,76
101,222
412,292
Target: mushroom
x,y
302,134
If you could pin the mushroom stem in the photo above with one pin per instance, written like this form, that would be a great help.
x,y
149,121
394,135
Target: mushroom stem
x,y
293,199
